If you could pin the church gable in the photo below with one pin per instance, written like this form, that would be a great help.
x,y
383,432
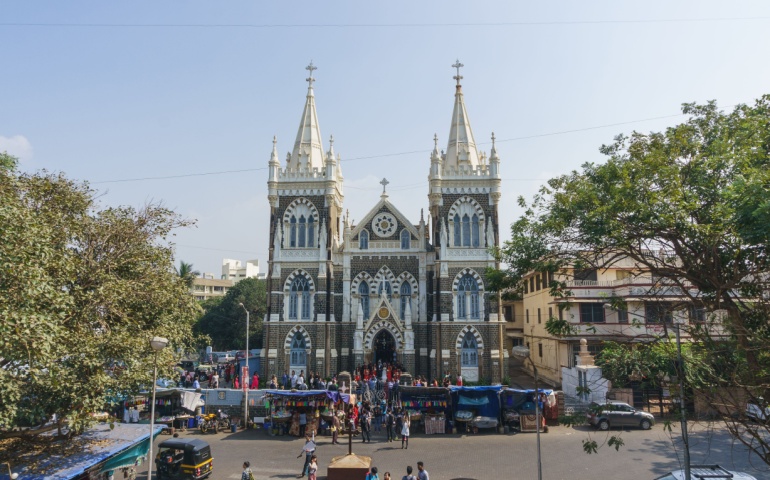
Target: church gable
x,y
385,222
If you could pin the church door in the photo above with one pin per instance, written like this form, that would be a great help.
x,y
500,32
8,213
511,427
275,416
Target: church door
x,y
384,346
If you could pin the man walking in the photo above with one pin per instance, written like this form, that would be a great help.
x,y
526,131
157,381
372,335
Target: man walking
x,y
390,422
247,474
308,450
422,474
366,427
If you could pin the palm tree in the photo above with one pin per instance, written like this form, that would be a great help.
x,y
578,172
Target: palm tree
x,y
186,272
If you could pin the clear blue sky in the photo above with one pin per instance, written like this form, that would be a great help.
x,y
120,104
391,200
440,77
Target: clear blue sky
x,y
109,102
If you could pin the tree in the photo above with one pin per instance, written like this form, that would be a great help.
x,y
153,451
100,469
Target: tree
x,y
187,273
225,321
82,290
691,206
7,162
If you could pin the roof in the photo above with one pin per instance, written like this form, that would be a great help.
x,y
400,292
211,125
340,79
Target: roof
x,y
184,443
308,151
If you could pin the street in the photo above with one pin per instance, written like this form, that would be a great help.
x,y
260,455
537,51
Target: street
x,y
487,456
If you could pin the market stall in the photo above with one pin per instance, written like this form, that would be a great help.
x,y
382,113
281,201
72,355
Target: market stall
x,y
476,407
176,408
285,407
430,406
518,408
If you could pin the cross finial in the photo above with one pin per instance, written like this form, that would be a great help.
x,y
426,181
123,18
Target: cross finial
x,y
458,66
275,140
331,140
493,139
384,182
435,141
310,69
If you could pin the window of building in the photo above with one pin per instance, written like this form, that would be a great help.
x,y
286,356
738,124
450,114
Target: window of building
x,y
540,350
550,313
658,312
385,286
293,232
526,287
475,230
298,353
537,282
470,351
466,230
310,232
531,284
458,232
591,312
299,299
561,314
468,297
363,240
405,239
302,232
539,317
508,313
406,295
363,291
697,314
526,315
623,315
586,274
545,279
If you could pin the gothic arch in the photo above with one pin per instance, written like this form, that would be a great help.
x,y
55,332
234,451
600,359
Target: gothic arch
x,y
466,204
363,276
385,274
293,275
378,326
474,332
406,277
290,337
471,272
300,205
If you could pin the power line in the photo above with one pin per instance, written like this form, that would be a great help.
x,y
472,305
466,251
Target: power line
x,y
377,25
395,154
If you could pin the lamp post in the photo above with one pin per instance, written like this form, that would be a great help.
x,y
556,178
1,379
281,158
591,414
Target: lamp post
x,y
680,379
157,344
246,362
13,476
522,353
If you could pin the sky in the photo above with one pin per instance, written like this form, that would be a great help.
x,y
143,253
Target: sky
x,y
178,102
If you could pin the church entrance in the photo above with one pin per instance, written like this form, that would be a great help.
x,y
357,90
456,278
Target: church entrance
x,y
383,346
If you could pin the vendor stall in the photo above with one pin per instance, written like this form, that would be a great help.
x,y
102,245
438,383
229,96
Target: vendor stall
x,y
429,405
518,408
176,408
476,407
285,408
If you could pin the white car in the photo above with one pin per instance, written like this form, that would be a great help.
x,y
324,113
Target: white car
x,y
757,413
711,472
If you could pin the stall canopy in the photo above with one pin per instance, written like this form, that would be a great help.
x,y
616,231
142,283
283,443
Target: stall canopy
x,y
189,400
516,399
484,400
333,396
425,397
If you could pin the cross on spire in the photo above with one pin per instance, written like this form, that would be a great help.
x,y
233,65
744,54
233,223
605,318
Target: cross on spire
x,y
435,141
493,139
458,66
310,69
384,182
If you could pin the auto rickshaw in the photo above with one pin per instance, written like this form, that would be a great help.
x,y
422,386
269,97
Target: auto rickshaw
x,y
184,458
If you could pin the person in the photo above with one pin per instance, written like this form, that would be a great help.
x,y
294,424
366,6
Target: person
x,y
196,383
408,475
386,476
273,383
312,468
399,423
308,450
390,422
422,474
214,380
335,428
286,380
236,383
459,380
293,379
247,474
405,432
255,381
372,475
366,426
302,423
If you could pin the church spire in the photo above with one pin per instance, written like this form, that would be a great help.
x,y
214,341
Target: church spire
x,y
308,150
461,149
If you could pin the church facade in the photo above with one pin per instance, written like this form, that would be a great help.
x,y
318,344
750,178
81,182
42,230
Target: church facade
x,y
388,287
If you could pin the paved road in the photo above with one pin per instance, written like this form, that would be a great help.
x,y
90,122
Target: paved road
x,y
645,454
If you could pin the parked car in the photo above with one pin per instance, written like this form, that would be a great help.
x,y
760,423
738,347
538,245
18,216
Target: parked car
x,y
711,472
618,414
759,412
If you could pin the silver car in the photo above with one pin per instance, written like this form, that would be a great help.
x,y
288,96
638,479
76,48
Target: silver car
x,y
618,414
712,472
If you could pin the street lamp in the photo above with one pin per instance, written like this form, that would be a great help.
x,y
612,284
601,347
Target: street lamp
x,y
522,353
157,344
243,382
13,476
680,378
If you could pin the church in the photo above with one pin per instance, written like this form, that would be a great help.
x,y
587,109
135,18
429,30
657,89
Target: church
x,y
342,294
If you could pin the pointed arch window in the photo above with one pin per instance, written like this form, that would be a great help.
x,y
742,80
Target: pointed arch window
x,y
405,239
299,299
385,286
475,230
363,240
310,232
458,232
406,296
301,235
363,291
466,231
293,232
470,352
298,352
468,297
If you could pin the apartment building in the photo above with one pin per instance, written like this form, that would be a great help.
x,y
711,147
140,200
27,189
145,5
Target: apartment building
x,y
207,287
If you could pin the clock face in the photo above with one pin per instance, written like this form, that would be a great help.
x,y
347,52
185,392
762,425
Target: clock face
x,y
383,313
384,224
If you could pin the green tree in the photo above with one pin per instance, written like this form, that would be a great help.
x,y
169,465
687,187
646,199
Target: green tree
x,y
691,206
187,273
82,290
225,321
8,162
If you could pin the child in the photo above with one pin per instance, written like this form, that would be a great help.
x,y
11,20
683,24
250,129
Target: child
x,y
372,475
387,476
312,468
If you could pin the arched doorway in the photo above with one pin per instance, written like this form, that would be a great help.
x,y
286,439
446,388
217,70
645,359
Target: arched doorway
x,y
383,346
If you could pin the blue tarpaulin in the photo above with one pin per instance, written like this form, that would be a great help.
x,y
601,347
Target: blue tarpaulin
x,y
483,400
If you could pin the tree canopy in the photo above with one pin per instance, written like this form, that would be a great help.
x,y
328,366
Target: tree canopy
x,y
82,290
224,320
691,206
187,273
